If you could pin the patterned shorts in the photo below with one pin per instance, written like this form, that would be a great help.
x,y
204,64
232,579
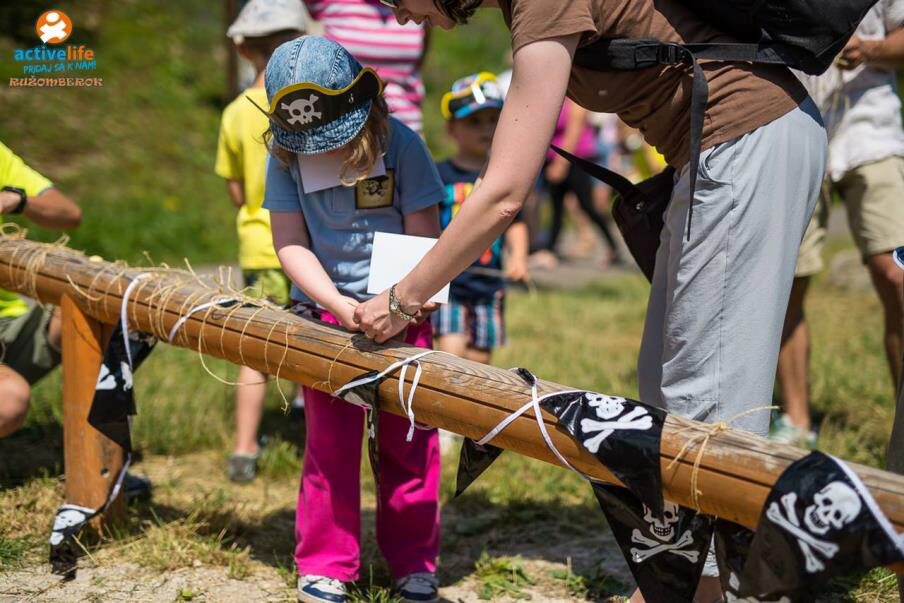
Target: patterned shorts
x,y
482,323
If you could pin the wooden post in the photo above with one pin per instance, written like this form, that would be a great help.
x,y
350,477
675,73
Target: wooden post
x,y
92,460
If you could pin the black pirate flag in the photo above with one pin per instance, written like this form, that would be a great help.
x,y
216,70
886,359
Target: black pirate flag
x,y
113,405
732,549
819,522
666,551
622,434
364,391
474,459
114,400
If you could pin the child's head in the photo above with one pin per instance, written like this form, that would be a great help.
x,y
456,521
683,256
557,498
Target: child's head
x,y
323,101
262,25
472,109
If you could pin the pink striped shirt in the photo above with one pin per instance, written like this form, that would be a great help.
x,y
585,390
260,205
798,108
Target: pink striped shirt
x,y
369,31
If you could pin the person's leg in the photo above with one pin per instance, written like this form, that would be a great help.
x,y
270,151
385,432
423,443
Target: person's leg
x,y
894,456
15,394
557,199
872,195
328,516
794,358
408,510
449,325
582,184
249,407
719,297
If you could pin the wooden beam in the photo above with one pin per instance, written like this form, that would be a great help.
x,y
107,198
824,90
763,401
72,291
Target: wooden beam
x,y
92,460
737,469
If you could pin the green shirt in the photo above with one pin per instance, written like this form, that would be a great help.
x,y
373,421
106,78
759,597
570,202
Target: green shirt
x,y
14,172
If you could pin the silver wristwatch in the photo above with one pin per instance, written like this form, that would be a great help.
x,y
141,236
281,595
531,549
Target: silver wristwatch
x,y
395,305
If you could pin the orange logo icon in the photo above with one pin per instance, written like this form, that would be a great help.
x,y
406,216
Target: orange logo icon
x,y
54,27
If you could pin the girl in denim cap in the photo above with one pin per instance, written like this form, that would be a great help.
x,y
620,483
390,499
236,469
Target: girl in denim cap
x,y
341,169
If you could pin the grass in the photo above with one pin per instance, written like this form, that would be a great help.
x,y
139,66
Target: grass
x,y
501,577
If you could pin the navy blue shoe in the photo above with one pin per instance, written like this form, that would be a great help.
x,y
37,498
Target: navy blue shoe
x,y
422,587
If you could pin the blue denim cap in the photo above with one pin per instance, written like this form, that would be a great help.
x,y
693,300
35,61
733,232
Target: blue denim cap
x,y
316,60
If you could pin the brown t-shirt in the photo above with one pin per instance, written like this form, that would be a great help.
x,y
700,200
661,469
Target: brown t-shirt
x,y
742,97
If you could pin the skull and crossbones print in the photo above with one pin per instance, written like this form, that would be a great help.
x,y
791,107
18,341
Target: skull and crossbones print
x,y
302,110
833,507
611,411
663,531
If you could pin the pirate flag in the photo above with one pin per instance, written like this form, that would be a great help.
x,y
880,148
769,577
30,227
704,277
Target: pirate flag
x,y
819,522
622,434
364,391
666,551
110,411
732,548
472,462
114,402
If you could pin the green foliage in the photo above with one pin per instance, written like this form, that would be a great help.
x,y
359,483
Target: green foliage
x,y
13,550
502,576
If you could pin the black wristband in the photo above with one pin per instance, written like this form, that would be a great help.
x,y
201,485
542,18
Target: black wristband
x,y
23,198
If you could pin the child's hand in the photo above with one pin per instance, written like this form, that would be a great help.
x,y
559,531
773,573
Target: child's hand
x,y
516,269
344,311
425,312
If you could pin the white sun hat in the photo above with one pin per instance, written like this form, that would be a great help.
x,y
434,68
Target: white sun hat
x,y
260,18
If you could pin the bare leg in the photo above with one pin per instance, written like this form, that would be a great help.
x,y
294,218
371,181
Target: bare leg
x,y
249,407
888,280
14,397
453,343
478,355
794,358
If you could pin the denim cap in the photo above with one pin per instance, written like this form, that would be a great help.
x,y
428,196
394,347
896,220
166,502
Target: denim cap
x,y
316,60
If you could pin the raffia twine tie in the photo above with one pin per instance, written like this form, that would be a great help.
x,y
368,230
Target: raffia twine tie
x,y
703,439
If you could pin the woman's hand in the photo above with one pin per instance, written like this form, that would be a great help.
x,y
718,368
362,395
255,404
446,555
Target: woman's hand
x,y
376,321
344,311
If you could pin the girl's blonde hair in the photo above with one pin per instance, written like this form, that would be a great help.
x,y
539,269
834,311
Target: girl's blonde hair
x,y
363,150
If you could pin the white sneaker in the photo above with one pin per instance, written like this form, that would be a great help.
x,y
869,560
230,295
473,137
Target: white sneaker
x,y
786,432
421,587
320,589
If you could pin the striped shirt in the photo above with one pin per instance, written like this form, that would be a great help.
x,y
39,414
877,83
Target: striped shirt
x,y
370,32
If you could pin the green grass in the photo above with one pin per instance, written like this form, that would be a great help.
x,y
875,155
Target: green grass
x,y
586,338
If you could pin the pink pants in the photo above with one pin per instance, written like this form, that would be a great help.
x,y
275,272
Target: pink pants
x,y
328,517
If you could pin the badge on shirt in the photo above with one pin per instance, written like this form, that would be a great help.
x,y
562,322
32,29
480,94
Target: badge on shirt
x,y
376,192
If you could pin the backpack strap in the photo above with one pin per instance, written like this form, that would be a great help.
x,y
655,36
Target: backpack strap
x,y
619,54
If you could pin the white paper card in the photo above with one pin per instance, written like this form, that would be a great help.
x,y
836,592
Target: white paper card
x,y
393,257
321,171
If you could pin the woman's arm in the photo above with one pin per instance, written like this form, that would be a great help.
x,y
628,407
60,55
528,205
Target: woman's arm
x,y
49,209
293,247
236,190
540,78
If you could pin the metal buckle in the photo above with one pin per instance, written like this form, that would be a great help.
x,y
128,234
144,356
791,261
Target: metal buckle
x,y
669,54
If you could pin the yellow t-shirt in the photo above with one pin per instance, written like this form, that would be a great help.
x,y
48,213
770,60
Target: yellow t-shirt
x,y
242,155
14,172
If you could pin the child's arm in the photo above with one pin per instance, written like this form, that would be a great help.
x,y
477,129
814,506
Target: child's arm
x,y
236,190
423,223
518,241
293,247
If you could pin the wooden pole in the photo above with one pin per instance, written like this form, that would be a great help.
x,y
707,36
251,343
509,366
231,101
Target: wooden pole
x,y
92,460
736,473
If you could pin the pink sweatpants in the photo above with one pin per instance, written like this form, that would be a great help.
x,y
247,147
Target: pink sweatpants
x,y
328,517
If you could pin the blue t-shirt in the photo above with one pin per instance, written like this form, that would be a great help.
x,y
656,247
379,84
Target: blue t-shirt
x,y
342,220
469,286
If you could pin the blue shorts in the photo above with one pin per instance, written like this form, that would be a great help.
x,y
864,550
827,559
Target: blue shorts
x,y
481,322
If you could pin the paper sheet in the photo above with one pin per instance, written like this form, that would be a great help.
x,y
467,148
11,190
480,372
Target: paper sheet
x,y
320,172
393,257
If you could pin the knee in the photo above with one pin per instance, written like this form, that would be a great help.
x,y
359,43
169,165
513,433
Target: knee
x,y
15,394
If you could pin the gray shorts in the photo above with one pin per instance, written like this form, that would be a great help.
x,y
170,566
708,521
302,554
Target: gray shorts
x,y
24,346
717,303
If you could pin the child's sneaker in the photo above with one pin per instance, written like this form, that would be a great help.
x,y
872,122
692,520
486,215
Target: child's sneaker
x,y
786,432
421,587
241,467
320,589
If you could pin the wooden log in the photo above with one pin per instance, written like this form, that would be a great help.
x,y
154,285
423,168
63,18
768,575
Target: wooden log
x,y
92,460
737,470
